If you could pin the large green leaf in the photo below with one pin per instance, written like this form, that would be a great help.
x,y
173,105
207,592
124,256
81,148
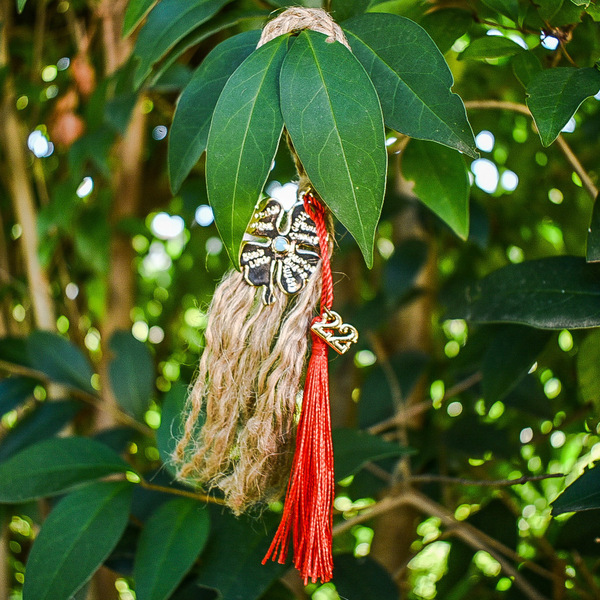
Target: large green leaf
x,y
592,251
363,579
60,360
75,539
549,293
588,359
191,122
491,47
45,421
509,8
441,182
15,391
582,494
167,23
333,116
353,448
131,373
171,424
509,357
412,79
170,543
242,141
136,11
54,466
231,561
554,95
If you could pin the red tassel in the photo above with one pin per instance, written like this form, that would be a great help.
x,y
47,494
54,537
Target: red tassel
x,y
307,513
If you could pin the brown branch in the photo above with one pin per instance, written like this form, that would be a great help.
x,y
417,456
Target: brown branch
x,y
431,478
522,109
177,492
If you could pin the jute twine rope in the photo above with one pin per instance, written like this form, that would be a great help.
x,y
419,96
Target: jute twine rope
x,y
298,18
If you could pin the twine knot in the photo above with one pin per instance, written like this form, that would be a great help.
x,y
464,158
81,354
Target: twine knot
x,y
298,18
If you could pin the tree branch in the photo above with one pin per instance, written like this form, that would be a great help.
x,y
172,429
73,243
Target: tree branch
x,y
431,478
177,492
572,159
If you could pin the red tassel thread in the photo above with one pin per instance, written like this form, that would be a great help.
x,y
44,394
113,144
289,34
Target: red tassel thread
x,y
309,498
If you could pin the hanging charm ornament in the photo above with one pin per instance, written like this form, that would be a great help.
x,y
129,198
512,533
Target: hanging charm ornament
x,y
240,415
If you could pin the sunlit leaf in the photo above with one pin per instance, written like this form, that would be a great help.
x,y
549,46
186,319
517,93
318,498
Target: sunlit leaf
x,y
136,11
169,544
243,138
491,46
582,494
54,466
60,360
167,23
353,448
191,122
549,293
45,421
21,5
412,79
362,579
75,539
441,182
554,95
131,373
333,116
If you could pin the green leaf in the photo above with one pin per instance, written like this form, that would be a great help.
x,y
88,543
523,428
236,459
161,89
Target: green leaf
x,y
45,421
136,11
21,5
362,579
582,494
344,9
131,373
169,22
508,359
588,359
242,141
554,95
445,26
352,449
243,578
525,65
55,466
171,424
191,122
334,119
508,8
76,538
549,293
593,237
60,360
169,544
15,391
441,182
412,79
490,46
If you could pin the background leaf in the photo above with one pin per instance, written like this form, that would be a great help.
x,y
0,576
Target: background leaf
x,y
168,546
15,391
582,494
352,449
171,424
243,138
441,182
54,466
412,80
592,253
490,47
446,25
549,293
509,8
588,359
131,373
362,579
85,526
60,360
191,122
554,95
167,23
332,114
136,11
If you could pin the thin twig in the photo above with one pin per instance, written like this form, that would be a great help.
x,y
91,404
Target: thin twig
x,y
177,492
572,159
430,478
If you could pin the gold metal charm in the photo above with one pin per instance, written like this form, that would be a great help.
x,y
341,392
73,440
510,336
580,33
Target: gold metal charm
x,y
331,329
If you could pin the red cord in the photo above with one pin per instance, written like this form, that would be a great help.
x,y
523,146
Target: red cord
x,y
307,513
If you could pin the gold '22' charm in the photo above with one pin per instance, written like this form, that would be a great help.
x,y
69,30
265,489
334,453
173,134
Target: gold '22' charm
x,y
331,329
